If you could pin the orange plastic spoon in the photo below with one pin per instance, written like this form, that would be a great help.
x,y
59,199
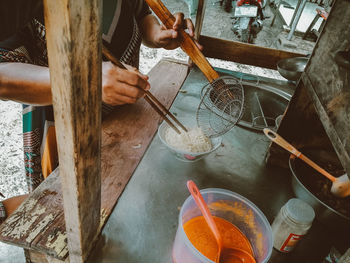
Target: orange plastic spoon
x,y
225,254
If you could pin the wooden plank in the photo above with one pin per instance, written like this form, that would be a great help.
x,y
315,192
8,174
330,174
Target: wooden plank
x,y
34,217
324,85
74,50
126,134
37,257
328,84
199,22
244,53
339,136
199,18
123,146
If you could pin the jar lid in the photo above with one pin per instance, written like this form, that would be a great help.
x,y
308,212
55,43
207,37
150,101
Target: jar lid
x,y
300,211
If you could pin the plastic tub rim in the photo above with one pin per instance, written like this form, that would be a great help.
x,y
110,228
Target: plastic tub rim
x,y
225,192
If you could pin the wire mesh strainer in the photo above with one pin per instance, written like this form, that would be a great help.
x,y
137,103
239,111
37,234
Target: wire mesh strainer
x,y
221,106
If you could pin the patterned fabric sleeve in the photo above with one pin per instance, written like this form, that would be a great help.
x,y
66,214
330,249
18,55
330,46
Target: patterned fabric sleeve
x,y
12,50
27,46
2,213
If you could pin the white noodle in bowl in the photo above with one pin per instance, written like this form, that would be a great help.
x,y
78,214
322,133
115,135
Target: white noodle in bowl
x,y
190,146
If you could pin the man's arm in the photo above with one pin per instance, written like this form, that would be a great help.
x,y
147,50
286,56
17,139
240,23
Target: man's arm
x,y
30,84
25,83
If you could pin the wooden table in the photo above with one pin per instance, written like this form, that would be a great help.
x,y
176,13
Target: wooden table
x,y
38,224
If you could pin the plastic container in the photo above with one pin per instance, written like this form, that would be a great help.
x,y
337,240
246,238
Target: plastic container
x,y
291,223
233,208
184,155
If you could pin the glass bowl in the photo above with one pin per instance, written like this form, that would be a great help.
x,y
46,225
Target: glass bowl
x,y
184,155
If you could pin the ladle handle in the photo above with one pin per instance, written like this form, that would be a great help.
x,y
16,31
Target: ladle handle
x,y
273,136
198,198
187,44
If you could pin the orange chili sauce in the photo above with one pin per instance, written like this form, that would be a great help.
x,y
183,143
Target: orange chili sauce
x,y
204,241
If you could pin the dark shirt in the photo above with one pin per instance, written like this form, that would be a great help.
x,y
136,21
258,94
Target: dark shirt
x,y
120,30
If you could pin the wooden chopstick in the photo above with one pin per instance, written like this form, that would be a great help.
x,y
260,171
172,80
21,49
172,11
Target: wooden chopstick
x,y
166,110
153,101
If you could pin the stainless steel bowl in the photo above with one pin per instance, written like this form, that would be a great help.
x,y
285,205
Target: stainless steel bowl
x,y
324,213
292,68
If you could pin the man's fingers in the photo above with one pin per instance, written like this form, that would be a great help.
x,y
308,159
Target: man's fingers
x,y
129,91
133,69
120,86
198,45
145,77
179,18
189,26
133,78
124,92
166,35
118,99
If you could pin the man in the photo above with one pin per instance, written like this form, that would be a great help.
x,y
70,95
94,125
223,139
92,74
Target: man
x,y
24,75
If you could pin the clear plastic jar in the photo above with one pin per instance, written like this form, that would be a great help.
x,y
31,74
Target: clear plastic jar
x,y
291,224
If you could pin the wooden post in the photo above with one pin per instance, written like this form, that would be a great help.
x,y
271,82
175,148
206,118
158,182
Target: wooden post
x,y
199,18
74,49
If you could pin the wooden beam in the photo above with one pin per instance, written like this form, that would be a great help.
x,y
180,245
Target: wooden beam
x,y
199,22
74,51
328,83
338,134
37,257
199,18
244,53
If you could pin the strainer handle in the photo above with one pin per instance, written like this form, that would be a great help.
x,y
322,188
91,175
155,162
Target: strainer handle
x,y
187,45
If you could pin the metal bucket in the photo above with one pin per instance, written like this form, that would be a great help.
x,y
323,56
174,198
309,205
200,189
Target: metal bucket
x,y
292,68
329,216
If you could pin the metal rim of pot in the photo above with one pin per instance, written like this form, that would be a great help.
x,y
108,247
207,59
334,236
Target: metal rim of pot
x,y
292,159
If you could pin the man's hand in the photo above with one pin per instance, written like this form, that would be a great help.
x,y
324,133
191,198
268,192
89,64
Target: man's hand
x,y
121,86
156,35
170,38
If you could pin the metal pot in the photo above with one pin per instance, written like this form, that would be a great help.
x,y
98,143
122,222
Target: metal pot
x,y
292,68
324,213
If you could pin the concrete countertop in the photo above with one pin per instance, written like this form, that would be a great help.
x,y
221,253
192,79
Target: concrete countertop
x,y
143,224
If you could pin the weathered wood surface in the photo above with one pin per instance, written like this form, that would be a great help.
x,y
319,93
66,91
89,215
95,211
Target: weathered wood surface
x,y
199,18
244,53
33,222
328,84
318,115
73,33
37,257
199,22
38,224
127,133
